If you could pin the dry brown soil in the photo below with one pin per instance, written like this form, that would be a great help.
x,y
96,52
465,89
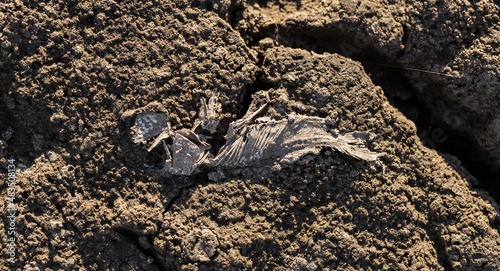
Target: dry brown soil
x,y
74,74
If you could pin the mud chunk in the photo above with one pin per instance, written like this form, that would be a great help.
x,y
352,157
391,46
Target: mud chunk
x,y
301,264
200,245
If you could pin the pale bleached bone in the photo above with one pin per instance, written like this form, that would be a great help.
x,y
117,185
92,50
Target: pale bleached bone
x,y
209,115
259,142
286,140
187,156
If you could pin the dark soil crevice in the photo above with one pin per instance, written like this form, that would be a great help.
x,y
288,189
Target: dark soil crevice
x,y
440,247
20,146
434,133
404,39
133,237
200,178
257,86
440,137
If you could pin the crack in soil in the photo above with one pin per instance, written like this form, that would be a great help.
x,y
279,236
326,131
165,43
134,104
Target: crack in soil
x,y
133,237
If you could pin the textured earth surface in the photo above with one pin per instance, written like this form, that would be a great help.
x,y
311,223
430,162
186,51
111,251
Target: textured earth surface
x,y
74,74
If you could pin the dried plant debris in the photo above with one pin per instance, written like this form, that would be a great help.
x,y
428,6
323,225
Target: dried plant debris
x,y
250,141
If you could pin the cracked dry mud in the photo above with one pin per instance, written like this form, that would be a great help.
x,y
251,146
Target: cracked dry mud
x,y
75,74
